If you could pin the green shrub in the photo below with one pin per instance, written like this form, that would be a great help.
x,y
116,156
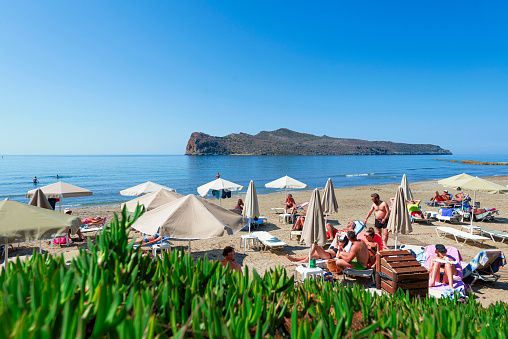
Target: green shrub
x,y
116,291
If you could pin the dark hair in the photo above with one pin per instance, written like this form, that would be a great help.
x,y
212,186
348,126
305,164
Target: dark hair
x,y
351,235
227,250
344,240
370,232
375,195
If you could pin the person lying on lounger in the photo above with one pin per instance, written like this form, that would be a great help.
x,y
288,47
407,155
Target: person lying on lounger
x,y
413,206
148,239
442,271
93,221
317,252
441,197
357,257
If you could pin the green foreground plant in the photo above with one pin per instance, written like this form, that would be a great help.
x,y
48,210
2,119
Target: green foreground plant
x,y
116,291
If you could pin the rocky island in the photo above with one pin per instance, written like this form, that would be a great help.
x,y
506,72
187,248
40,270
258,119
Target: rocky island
x,y
286,142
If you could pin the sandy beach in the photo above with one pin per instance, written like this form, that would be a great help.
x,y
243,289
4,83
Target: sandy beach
x,y
354,203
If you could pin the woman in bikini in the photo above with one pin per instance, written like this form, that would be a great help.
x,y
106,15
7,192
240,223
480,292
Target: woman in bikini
x,y
317,252
372,246
148,239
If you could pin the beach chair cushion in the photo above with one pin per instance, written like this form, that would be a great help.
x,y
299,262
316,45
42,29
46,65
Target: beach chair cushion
x,y
494,233
485,264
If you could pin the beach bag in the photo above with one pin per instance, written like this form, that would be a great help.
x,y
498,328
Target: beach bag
x,y
61,241
331,265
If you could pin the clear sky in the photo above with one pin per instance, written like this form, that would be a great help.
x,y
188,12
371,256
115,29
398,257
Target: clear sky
x,y
138,77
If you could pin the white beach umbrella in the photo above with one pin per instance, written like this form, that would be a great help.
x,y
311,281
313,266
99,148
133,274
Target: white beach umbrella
x,y
408,195
218,185
314,229
152,200
189,218
145,188
286,182
251,208
399,220
61,190
329,202
451,182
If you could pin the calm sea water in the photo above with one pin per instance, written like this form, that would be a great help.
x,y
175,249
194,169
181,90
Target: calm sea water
x,y
107,175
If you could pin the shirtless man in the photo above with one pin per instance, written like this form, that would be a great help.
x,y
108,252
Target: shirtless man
x,y
382,214
357,257
229,259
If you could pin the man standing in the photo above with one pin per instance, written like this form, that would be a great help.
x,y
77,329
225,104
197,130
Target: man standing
x,y
229,259
357,257
382,214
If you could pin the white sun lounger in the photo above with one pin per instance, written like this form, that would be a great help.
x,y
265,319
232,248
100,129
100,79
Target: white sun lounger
x,y
459,234
494,233
278,210
443,218
268,240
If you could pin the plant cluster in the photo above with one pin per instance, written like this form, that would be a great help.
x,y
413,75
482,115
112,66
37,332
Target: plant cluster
x,y
116,291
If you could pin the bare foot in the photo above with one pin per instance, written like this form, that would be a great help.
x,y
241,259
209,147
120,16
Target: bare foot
x,y
291,258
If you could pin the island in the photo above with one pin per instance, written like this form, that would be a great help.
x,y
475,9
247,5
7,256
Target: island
x,y
286,142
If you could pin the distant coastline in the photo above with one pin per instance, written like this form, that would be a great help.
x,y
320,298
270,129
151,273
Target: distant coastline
x,y
475,162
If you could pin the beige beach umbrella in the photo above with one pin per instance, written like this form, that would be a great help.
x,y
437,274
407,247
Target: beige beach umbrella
x,y
61,190
329,202
251,208
399,220
189,218
476,184
145,188
408,195
451,182
152,200
22,222
314,229
39,200
218,185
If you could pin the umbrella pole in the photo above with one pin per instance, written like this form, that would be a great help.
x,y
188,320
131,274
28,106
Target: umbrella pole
x,y
472,213
6,259
189,249
60,203
249,225
310,254
396,234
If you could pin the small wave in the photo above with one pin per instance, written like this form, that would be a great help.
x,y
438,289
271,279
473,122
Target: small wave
x,y
359,175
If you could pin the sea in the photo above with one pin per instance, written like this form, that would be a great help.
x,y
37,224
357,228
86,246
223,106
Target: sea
x,y
106,176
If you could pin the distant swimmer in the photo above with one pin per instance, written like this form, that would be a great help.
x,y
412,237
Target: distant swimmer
x,y
57,176
36,181
217,176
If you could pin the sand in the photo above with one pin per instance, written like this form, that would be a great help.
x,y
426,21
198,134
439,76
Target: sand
x,y
354,203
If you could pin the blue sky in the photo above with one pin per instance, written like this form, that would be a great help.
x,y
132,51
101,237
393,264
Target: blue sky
x,y
133,77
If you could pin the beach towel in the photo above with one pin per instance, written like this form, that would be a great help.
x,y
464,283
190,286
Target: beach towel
x,y
446,212
481,259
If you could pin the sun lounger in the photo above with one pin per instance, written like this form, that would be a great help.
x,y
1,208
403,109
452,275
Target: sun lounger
x,y
445,218
485,215
278,210
494,233
459,234
268,240
369,273
484,265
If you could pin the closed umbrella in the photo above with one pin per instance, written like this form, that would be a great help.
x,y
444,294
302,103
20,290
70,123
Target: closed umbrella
x,y
218,185
22,222
145,188
329,203
314,229
39,200
408,195
251,208
189,218
152,200
61,190
399,221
